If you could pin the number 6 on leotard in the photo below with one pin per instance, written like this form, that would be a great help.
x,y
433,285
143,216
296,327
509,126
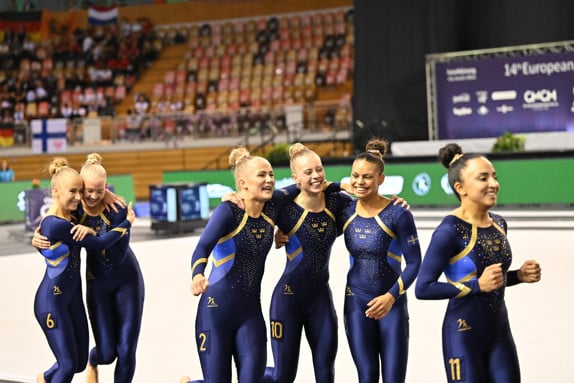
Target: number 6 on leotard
x,y
50,322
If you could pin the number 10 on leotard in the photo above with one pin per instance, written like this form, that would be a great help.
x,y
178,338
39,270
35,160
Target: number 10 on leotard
x,y
454,369
276,330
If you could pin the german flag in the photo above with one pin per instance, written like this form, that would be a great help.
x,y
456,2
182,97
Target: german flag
x,y
6,134
30,22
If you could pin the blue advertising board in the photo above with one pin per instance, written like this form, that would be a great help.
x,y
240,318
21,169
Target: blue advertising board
x,y
486,97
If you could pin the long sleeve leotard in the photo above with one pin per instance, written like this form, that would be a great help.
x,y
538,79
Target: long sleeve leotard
x,y
115,297
376,245
477,342
229,319
58,305
302,297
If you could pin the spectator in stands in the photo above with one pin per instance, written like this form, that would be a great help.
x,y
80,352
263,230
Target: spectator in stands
x,y
6,172
141,105
28,6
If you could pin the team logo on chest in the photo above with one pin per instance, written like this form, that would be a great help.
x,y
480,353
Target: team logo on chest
x,y
320,227
258,232
362,234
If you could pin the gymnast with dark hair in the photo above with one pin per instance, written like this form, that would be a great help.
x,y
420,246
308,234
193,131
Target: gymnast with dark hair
x,y
471,248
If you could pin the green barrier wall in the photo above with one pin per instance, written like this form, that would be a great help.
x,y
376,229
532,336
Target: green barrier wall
x,y
12,203
523,182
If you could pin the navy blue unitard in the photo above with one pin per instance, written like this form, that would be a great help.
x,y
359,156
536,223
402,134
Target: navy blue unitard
x,y
58,305
477,343
229,321
376,245
115,297
302,297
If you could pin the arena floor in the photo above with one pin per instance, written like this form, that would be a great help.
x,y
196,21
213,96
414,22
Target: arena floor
x,y
540,314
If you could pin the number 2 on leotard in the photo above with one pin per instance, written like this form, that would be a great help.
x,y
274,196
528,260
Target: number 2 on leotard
x,y
276,330
202,341
454,369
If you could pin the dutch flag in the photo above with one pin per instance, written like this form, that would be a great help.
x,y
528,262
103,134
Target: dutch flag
x,y
102,15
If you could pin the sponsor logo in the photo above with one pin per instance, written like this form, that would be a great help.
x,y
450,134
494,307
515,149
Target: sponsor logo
x,y
458,98
445,185
461,74
503,95
211,302
287,290
462,325
482,96
504,109
421,184
542,99
464,111
542,95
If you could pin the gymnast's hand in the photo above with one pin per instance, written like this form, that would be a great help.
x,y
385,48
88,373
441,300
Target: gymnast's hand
x,y
492,278
380,306
39,241
110,200
400,201
280,239
235,198
530,272
79,232
199,284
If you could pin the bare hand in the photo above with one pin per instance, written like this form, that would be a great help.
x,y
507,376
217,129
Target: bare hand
x,y
346,187
492,278
380,306
131,214
199,284
110,200
280,239
39,241
235,198
79,232
400,201
530,272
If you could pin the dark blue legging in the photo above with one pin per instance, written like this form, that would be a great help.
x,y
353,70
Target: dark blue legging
x,y
289,314
378,342
238,333
59,309
478,347
115,305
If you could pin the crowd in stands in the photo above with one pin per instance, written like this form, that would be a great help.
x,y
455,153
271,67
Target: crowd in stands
x,y
72,74
238,74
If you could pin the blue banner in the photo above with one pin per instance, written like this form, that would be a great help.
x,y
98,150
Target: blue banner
x,y
479,98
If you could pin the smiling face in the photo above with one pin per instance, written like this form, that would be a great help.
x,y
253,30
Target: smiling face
x,y
479,185
94,190
308,173
366,179
68,192
257,180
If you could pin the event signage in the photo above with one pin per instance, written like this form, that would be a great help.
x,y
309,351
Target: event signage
x,y
477,98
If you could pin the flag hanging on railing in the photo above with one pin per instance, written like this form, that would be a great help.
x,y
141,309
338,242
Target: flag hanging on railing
x,y
103,15
16,22
49,136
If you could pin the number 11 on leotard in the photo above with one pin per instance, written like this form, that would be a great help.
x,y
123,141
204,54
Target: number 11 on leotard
x,y
454,369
